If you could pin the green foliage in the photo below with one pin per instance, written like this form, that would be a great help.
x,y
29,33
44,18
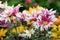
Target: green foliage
x,y
24,23
13,36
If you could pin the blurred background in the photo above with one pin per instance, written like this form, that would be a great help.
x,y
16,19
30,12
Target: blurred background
x,y
55,4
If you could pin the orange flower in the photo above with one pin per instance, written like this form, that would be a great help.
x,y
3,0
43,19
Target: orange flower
x,y
58,21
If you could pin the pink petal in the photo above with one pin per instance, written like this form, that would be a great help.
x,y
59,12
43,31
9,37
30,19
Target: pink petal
x,y
40,22
15,10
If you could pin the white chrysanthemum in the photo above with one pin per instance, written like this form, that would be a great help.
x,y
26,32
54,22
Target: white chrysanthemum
x,y
27,33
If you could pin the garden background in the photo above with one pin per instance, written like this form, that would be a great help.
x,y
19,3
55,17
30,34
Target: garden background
x,y
16,23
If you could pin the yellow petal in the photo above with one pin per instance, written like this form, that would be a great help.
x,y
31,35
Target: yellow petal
x,y
13,30
58,32
54,35
45,23
58,37
28,22
32,21
58,17
21,28
17,29
3,32
54,29
30,10
57,22
59,27
37,7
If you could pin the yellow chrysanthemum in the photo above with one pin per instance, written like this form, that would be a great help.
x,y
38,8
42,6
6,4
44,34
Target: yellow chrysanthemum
x,y
2,32
21,28
18,29
37,7
30,10
33,9
56,32
13,30
54,29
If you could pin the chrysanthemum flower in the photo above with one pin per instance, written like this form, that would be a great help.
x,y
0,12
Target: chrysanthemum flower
x,y
42,16
18,29
28,33
7,12
56,32
2,33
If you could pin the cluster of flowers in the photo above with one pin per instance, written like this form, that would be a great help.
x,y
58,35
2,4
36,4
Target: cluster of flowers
x,y
35,17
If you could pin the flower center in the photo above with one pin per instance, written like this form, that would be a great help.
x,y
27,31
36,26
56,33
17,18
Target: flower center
x,y
45,22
